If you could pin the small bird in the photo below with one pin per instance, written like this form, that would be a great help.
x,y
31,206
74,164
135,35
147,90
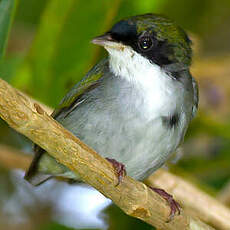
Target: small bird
x,y
134,106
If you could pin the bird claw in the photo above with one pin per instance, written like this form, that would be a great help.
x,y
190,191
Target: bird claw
x,y
119,168
174,205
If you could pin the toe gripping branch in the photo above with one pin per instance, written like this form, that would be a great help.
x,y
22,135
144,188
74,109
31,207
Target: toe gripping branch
x,y
174,206
119,168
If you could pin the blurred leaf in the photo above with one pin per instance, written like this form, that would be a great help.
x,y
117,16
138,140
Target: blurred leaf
x,y
74,51
148,6
7,9
45,44
210,126
9,66
29,11
55,226
62,51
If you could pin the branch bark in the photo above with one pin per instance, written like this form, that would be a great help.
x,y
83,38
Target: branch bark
x,y
133,197
224,195
11,158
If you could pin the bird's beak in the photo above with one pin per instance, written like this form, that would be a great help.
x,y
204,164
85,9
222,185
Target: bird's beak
x,y
106,40
103,39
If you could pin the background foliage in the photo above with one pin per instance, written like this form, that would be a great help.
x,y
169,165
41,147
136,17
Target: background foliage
x,y
49,50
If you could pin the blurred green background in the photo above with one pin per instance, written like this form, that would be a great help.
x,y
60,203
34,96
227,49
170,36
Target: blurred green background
x,y
49,50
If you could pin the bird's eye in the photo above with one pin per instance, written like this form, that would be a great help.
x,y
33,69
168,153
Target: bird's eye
x,y
145,43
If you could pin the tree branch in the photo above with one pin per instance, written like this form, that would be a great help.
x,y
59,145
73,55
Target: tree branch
x,y
133,197
224,195
13,159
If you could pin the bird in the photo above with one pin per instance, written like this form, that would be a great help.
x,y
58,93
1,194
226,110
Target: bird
x,y
134,106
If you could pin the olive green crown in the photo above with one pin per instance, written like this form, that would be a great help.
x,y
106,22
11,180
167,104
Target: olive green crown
x,y
166,30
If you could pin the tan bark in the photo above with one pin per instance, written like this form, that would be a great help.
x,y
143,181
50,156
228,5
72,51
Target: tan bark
x,y
224,195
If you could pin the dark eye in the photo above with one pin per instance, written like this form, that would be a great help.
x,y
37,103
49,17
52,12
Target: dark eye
x,y
145,43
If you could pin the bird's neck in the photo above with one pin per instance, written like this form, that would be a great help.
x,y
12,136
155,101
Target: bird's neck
x,y
135,68
158,90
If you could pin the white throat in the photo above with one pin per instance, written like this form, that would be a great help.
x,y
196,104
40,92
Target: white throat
x,y
158,88
128,64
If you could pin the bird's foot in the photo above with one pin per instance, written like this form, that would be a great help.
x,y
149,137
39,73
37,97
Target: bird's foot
x,y
174,206
119,168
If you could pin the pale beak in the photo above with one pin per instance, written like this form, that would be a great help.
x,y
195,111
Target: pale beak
x,y
102,40
106,40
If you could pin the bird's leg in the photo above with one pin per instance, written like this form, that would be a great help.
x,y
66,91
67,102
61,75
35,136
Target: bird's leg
x,y
174,206
119,168
121,172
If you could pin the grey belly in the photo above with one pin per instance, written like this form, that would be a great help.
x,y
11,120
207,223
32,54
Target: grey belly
x,y
125,135
112,120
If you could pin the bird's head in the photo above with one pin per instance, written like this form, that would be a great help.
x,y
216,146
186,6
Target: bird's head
x,y
154,37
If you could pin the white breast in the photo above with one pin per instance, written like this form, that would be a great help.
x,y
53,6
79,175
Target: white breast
x,y
162,96
161,93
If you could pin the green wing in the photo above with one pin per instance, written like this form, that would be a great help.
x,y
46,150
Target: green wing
x,y
89,82
44,166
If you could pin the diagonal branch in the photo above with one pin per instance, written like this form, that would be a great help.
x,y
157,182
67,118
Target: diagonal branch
x,y
224,195
11,158
133,197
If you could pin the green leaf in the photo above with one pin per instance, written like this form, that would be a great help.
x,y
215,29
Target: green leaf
x,y
7,9
75,54
61,53
44,47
